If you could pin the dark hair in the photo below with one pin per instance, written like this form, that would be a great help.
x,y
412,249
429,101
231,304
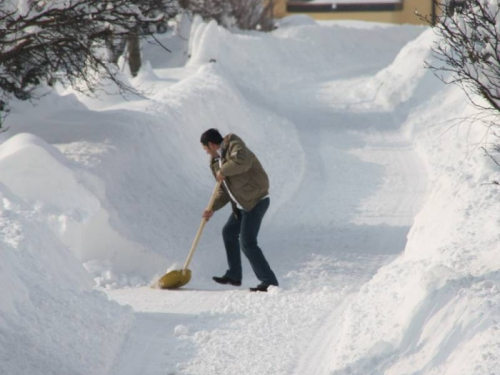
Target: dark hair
x,y
211,135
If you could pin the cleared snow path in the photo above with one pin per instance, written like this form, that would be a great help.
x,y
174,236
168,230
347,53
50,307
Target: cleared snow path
x,y
218,330
360,185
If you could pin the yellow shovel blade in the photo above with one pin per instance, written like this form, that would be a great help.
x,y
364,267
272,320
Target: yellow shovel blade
x,y
174,279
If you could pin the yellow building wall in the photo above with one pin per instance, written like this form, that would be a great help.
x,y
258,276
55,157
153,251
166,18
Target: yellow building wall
x,y
280,8
406,15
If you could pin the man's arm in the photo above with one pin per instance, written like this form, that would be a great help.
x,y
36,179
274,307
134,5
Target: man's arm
x,y
220,200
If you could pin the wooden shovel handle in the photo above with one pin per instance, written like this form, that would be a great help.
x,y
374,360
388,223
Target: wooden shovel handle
x,y
202,225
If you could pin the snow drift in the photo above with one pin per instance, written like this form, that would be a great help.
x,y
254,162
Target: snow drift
x,y
48,306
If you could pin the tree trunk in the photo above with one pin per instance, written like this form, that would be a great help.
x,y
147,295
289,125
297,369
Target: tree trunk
x,y
134,54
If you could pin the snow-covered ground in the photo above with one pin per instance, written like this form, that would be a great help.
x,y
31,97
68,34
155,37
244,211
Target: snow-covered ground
x,y
383,228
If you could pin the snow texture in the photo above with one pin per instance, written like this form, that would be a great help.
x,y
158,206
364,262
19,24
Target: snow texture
x,y
383,228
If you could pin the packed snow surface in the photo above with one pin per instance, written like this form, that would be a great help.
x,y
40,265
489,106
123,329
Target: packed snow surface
x,y
383,228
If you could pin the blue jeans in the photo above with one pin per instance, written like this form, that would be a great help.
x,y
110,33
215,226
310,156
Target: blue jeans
x,y
242,233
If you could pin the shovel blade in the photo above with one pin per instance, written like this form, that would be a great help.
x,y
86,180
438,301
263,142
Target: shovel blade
x,y
174,279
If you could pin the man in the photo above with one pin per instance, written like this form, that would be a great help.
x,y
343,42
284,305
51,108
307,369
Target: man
x,y
246,187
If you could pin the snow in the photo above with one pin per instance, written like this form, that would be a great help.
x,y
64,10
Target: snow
x,y
48,307
382,230
23,7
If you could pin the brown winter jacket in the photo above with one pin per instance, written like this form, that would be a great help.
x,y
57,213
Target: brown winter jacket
x,y
244,175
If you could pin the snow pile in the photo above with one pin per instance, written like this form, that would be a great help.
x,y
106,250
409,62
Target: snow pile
x,y
435,310
51,321
295,20
70,199
403,81
38,173
292,56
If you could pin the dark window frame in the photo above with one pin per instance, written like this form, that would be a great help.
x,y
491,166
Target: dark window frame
x,y
304,7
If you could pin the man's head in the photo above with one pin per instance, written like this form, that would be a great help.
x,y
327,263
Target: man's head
x,y
211,141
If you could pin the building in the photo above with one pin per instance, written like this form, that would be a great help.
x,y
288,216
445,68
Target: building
x,y
391,11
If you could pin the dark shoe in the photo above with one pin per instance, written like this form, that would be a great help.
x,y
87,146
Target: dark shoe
x,y
260,288
226,280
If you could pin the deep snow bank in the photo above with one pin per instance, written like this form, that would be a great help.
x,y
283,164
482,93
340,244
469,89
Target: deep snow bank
x,y
436,309
71,199
295,55
51,321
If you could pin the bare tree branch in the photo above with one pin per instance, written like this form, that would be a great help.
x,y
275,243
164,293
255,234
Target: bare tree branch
x,y
70,41
243,14
467,54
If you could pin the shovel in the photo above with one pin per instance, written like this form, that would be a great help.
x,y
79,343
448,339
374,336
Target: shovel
x,y
176,279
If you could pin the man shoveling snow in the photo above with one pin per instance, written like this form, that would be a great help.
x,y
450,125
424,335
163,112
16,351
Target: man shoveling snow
x,y
246,186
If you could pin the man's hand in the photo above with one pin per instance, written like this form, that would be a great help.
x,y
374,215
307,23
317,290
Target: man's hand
x,y
219,176
207,214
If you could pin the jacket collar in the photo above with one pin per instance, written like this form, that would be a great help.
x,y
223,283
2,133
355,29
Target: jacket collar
x,y
223,148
